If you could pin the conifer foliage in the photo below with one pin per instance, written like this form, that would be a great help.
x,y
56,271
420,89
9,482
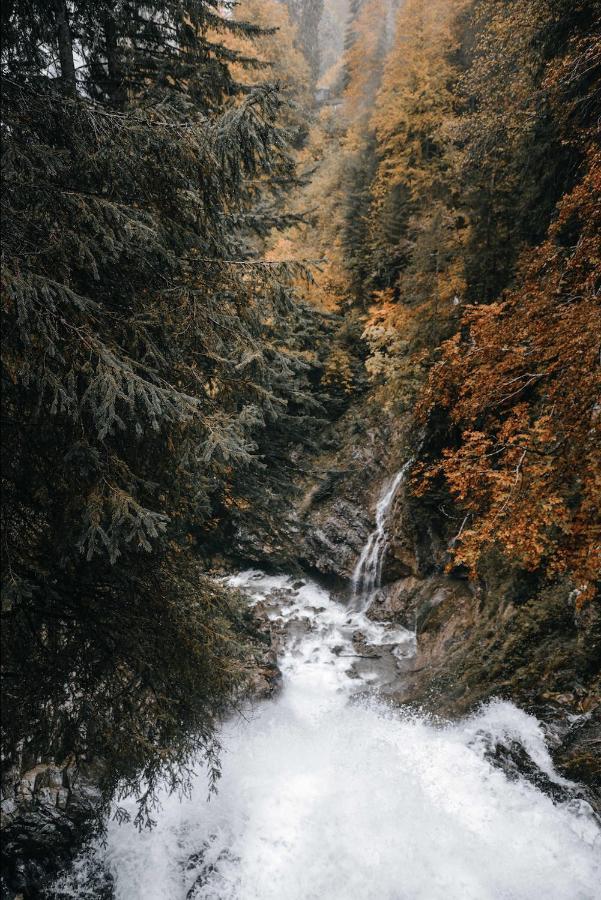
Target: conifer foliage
x,y
307,15
144,351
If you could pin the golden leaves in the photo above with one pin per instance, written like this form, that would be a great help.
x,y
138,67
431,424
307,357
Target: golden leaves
x,y
524,385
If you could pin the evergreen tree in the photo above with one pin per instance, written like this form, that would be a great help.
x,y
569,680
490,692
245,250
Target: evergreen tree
x,y
144,354
512,143
363,65
307,15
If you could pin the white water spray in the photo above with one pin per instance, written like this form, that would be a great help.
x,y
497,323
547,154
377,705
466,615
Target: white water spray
x,y
327,795
368,571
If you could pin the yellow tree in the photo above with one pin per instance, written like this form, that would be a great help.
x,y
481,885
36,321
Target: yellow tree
x,y
277,52
339,154
416,103
417,229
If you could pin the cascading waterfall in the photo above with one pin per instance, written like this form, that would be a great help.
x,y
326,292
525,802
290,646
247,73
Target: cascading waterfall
x,y
326,798
368,571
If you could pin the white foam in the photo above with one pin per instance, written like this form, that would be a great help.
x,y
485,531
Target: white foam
x,y
322,798
368,570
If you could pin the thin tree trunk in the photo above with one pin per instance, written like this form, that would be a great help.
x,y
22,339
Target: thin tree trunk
x,y
115,72
65,46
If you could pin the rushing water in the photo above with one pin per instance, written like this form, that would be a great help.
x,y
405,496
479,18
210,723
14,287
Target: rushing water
x,y
329,793
368,571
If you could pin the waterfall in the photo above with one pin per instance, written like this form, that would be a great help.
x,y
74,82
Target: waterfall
x,y
327,792
368,571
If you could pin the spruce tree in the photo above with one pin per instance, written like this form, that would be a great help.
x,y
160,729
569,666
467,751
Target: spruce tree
x,y
307,15
139,372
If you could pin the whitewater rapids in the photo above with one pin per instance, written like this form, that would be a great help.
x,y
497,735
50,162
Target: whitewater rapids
x,y
328,793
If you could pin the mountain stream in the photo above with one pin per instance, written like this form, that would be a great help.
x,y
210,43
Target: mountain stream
x,y
330,792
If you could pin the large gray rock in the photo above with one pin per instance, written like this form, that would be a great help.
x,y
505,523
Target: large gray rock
x,y
47,812
334,537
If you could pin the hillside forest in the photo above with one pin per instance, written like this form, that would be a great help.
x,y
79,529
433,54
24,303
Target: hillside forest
x,y
237,236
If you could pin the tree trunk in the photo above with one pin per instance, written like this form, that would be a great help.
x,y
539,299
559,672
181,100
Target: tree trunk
x,y
115,71
65,46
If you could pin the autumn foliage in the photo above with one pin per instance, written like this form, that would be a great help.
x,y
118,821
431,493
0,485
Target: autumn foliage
x,y
522,384
459,214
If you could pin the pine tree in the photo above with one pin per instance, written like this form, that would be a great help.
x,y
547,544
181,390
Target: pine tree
x,y
307,16
511,141
363,65
140,370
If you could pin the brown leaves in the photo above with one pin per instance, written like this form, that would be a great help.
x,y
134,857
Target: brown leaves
x,y
524,386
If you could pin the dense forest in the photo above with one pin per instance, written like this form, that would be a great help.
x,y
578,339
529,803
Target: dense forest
x,y
229,228
463,211
154,368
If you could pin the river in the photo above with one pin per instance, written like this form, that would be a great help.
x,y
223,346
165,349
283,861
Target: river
x,y
330,793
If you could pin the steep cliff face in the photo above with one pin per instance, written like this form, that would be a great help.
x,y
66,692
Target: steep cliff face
x,y
507,640
509,633
328,520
